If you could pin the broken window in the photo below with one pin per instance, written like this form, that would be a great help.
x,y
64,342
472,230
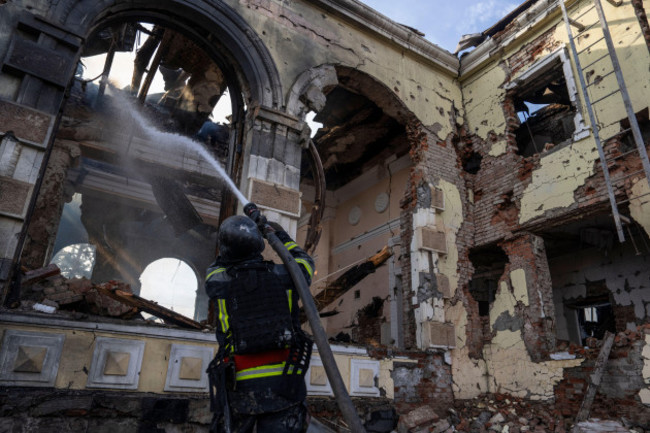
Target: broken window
x,y
594,319
128,160
544,98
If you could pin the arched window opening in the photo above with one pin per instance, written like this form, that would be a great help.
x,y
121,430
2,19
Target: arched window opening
x,y
144,133
76,261
172,283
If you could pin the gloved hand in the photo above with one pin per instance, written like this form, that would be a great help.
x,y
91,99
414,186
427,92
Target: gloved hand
x,y
254,213
275,226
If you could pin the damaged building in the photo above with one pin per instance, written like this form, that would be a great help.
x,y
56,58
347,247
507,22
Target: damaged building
x,y
480,223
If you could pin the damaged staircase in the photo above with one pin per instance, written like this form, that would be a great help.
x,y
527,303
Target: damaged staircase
x,y
619,91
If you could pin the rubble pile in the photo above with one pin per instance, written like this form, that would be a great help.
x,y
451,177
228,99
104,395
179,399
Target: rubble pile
x,y
77,294
491,413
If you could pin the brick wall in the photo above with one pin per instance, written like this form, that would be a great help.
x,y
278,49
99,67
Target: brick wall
x,y
527,252
425,382
617,395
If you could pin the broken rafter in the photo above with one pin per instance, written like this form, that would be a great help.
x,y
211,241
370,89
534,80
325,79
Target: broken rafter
x,y
349,279
150,307
162,50
36,275
595,379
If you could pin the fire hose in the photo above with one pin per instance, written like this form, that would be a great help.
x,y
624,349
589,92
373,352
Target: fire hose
x,y
320,337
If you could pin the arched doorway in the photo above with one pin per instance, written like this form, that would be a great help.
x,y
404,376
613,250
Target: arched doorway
x,y
363,146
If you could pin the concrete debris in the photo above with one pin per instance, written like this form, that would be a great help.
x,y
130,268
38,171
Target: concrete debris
x,y
423,415
598,426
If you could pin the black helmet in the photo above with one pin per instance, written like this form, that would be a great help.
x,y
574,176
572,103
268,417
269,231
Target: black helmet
x,y
239,239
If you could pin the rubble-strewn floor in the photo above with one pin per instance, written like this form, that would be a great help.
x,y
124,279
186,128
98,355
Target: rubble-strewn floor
x,y
500,413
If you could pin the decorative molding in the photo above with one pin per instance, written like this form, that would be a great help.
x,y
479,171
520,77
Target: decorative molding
x,y
382,201
488,51
152,331
354,217
30,358
344,350
364,376
393,225
187,368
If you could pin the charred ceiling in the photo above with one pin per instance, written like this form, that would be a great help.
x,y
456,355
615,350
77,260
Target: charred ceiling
x,y
356,134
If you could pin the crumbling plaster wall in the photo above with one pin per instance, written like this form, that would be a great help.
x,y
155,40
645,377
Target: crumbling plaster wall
x,y
510,190
640,206
509,364
546,184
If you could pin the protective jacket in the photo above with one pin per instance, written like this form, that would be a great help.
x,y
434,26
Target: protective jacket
x,y
265,293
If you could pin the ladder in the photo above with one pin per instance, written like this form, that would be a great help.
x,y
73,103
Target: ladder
x,y
621,89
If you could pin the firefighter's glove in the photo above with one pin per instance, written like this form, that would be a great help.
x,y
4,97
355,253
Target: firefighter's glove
x,y
254,213
275,226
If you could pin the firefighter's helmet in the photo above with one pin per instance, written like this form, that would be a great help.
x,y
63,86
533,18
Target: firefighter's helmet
x,y
239,239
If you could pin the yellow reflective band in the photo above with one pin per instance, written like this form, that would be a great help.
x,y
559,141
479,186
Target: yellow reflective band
x,y
262,371
216,271
223,315
306,265
291,245
289,293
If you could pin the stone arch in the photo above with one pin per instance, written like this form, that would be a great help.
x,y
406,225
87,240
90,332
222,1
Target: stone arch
x,y
220,31
377,92
308,91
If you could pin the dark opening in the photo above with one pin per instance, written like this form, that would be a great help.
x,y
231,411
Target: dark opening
x,y
545,112
489,264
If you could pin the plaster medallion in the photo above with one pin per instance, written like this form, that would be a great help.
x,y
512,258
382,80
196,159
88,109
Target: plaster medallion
x,y
354,216
381,202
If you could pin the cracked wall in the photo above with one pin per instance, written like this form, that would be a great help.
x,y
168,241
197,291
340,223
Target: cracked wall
x,y
309,37
551,183
509,364
640,204
559,175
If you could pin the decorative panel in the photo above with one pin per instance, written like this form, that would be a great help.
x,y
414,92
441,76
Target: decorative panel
x,y
364,375
14,195
275,197
116,363
431,240
30,358
442,335
25,123
186,371
316,379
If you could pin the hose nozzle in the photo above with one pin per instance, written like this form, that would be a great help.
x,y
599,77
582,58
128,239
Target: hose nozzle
x,y
251,211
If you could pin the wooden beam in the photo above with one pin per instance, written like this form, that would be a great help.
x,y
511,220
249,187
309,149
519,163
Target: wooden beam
x,y
150,307
350,278
595,379
31,277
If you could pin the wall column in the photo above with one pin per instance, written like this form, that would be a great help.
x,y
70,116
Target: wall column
x,y
533,290
271,172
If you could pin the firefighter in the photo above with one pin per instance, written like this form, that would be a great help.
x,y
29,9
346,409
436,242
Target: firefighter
x,y
257,377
